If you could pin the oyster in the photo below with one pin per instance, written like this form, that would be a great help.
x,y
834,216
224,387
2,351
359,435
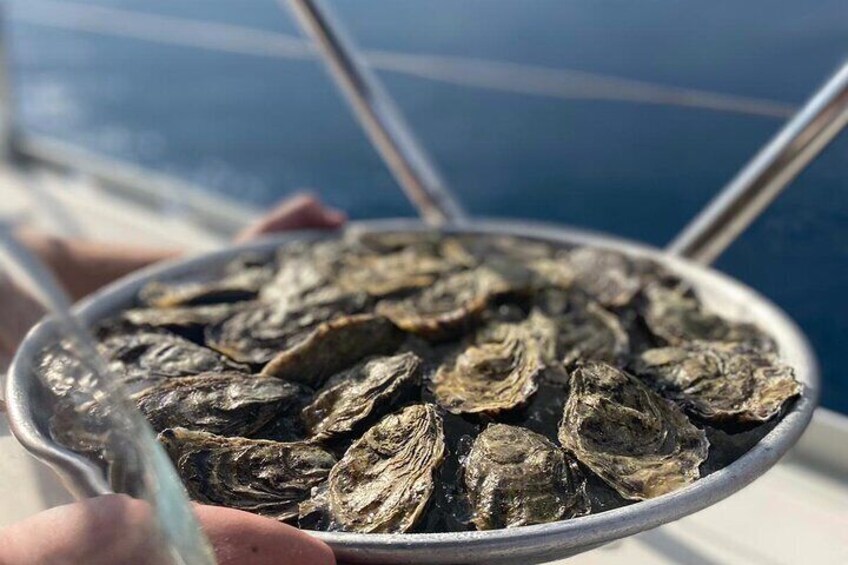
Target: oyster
x,y
498,370
450,306
333,346
573,328
385,479
385,275
607,276
676,316
257,333
186,321
221,403
264,477
369,390
515,477
149,354
639,443
723,383
234,287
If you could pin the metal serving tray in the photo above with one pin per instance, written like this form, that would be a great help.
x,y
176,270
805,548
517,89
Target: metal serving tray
x,y
29,411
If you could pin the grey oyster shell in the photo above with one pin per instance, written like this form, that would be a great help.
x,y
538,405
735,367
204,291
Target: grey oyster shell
x,y
574,328
676,316
332,347
233,287
607,276
496,371
367,391
450,306
723,383
268,478
181,320
639,443
231,404
385,480
258,332
515,477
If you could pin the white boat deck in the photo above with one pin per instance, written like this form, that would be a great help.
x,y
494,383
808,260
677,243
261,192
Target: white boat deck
x,y
796,513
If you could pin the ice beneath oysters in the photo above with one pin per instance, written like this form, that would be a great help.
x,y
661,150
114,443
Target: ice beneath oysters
x,y
420,382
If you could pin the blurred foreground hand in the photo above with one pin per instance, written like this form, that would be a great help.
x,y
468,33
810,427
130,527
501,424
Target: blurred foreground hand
x,y
117,530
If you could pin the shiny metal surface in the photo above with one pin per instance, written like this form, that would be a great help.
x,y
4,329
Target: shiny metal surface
x,y
767,174
378,115
28,414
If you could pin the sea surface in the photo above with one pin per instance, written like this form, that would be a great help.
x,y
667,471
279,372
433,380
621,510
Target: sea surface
x,y
243,119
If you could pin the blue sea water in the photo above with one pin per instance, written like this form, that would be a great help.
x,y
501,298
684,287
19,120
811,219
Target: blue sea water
x,y
261,127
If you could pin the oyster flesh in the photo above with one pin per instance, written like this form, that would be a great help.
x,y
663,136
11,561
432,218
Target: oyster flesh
x,y
228,404
498,370
367,391
639,443
723,383
269,478
385,479
515,477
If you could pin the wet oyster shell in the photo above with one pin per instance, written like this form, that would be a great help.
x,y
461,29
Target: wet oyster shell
x,y
234,287
367,391
515,477
723,383
497,371
451,306
385,479
332,347
150,354
231,404
607,276
185,320
268,478
574,328
676,316
259,332
639,443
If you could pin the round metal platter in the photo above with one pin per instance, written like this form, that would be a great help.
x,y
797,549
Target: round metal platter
x,y
28,411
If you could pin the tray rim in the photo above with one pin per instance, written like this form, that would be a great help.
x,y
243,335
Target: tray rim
x,y
551,539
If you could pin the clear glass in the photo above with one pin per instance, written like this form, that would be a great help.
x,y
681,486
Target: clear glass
x,y
97,406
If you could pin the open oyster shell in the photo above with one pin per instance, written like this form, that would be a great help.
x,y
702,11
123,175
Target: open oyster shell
x,y
269,478
515,477
369,390
231,404
498,370
385,479
639,443
723,383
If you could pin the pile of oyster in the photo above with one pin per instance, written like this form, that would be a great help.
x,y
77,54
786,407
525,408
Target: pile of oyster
x,y
409,382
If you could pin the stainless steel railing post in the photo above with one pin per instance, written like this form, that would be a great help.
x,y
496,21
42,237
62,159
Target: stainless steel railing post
x,y
767,174
379,116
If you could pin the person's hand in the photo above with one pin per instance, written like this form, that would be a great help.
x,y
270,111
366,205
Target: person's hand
x,y
20,311
116,529
300,212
